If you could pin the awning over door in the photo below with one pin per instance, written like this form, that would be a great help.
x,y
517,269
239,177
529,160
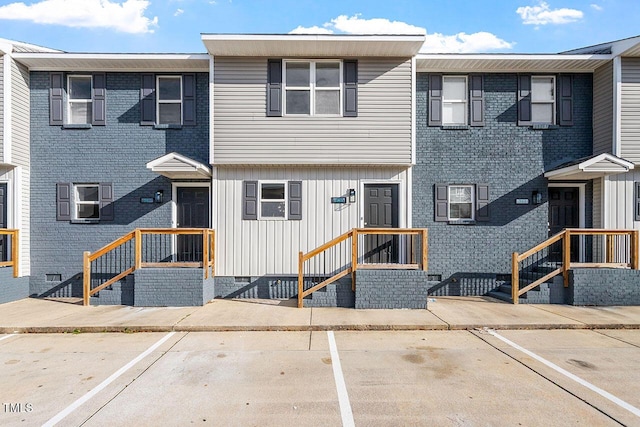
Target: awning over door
x,y
176,166
589,168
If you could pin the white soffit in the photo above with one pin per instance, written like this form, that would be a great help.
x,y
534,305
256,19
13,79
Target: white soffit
x,y
594,167
509,63
177,166
123,62
316,46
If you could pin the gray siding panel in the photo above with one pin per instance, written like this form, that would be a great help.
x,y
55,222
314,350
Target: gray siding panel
x,y
630,109
1,106
381,134
603,109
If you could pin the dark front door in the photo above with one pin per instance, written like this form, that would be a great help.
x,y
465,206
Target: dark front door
x,y
193,212
563,213
3,221
380,211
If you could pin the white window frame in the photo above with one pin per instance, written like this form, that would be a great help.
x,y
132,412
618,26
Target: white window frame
x,y
473,202
170,101
312,87
79,100
464,101
77,202
552,102
285,200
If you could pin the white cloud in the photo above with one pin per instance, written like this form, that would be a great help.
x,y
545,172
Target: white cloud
x,y
543,15
596,7
126,17
458,43
178,12
464,43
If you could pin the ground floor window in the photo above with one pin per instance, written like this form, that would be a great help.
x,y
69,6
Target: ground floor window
x,y
461,202
87,201
273,200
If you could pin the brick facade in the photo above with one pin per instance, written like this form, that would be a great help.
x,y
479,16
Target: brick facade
x,y
116,153
12,288
604,286
511,159
391,289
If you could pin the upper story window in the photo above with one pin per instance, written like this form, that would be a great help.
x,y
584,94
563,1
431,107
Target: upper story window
x,y
454,100
543,99
79,105
169,108
313,87
298,87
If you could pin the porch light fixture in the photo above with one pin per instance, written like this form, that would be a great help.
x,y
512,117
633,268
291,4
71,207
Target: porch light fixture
x,y
536,197
158,196
352,195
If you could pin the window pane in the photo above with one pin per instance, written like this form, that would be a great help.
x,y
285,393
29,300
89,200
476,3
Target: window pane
x,y
542,113
460,211
298,74
88,211
273,209
79,87
460,194
327,74
169,114
298,102
80,112
327,102
454,113
454,88
88,194
273,191
542,89
169,89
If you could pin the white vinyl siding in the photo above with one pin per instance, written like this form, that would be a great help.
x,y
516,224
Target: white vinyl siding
x,y
257,248
243,134
630,110
20,136
603,109
2,59
619,209
597,203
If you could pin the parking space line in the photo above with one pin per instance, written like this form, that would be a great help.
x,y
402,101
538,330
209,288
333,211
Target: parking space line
x,y
568,374
4,337
75,405
343,396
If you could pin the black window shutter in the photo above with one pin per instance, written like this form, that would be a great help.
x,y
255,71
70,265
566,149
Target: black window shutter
x,y
63,201
99,99
250,200
106,201
476,92
435,100
148,100
482,202
350,88
189,99
295,200
565,100
441,202
524,99
274,88
56,99
636,199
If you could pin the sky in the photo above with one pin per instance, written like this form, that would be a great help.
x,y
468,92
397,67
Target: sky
x,y
450,26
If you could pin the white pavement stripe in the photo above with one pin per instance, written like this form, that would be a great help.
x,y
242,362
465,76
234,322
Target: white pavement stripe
x,y
75,405
6,336
343,396
635,411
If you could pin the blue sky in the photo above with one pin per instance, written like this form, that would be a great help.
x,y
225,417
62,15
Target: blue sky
x,y
509,26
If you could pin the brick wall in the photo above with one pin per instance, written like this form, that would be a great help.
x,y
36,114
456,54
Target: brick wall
x,y
12,288
117,153
511,159
391,289
604,286
168,287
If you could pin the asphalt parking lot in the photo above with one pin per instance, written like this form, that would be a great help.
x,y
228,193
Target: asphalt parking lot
x,y
363,378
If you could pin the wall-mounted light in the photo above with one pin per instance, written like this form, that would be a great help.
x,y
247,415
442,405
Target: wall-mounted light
x,y
158,196
352,195
536,197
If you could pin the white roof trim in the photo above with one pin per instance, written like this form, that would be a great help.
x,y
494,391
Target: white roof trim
x,y
469,63
588,169
187,169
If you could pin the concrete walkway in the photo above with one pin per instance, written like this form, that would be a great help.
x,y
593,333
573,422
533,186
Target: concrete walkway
x,y
444,313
